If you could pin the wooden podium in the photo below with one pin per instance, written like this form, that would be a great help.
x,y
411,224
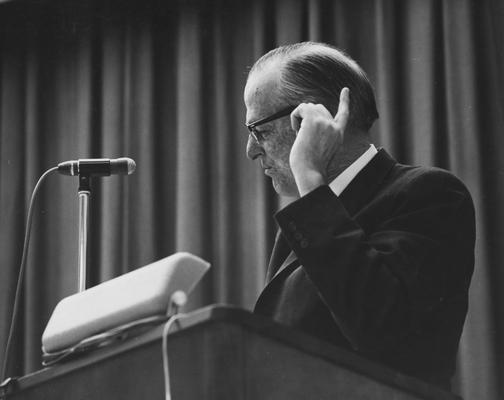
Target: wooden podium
x,y
221,353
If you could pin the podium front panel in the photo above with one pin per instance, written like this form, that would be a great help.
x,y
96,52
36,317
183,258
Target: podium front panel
x,y
223,353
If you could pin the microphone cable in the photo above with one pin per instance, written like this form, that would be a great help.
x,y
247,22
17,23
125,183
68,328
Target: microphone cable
x,y
166,366
5,381
177,300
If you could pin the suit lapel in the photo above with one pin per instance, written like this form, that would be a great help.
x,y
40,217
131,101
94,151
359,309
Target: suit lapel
x,y
281,257
280,252
288,261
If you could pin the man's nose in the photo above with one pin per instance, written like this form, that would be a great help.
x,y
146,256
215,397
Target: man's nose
x,y
254,149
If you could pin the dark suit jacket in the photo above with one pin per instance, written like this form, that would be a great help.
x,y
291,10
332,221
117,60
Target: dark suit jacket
x,y
382,270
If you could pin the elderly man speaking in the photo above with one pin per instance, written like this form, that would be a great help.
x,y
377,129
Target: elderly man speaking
x,y
372,255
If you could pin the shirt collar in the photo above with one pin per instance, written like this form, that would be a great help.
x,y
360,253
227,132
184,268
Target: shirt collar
x,y
343,180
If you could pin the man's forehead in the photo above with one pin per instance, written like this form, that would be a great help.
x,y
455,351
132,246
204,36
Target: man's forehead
x,y
261,92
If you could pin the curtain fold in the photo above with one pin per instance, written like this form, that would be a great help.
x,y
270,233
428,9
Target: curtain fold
x,y
162,82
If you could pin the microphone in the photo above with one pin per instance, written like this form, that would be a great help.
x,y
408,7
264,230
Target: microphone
x,y
97,166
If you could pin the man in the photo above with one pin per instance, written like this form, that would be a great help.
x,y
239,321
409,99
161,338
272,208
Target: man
x,y
372,256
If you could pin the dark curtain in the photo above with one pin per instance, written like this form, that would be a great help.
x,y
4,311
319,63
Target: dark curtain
x,y
162,82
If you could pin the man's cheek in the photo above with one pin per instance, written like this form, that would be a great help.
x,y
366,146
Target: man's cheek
x,y
280,154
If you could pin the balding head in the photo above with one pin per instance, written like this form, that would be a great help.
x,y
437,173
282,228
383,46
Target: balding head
x,y
316,73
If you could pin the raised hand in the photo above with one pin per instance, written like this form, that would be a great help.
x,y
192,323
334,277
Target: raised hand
x,y
319,136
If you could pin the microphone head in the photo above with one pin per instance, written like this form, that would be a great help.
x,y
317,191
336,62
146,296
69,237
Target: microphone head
x,y
123,166
98,167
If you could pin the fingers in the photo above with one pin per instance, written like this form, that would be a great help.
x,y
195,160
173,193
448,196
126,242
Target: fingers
x,y
296,118
343,107
310,110
305,110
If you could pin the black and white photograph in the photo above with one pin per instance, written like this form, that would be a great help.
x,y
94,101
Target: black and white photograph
x,y
251,199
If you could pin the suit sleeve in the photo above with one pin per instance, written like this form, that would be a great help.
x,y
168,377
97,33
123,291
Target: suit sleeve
x,y
384,285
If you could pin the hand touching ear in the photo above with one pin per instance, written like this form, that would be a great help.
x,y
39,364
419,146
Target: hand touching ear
x,y
319,136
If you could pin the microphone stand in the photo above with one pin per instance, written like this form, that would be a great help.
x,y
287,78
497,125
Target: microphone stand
x,y
84,195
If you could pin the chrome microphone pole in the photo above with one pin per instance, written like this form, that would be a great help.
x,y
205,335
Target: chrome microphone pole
x,y
84,195
85,169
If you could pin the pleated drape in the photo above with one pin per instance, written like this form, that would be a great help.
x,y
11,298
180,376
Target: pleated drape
x,y
162,82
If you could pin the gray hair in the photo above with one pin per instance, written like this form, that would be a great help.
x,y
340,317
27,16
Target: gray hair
x,y
317,72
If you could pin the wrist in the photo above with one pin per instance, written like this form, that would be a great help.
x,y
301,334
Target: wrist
x,y
308,180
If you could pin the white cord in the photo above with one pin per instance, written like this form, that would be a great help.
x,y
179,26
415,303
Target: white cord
x,y
166,368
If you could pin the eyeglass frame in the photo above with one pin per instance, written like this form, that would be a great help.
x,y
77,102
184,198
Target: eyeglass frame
x,y
279,114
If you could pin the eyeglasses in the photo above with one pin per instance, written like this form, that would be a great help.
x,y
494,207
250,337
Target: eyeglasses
x,y
253,125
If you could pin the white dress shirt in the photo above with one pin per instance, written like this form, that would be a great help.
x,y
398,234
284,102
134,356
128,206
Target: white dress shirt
x,y
343,180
